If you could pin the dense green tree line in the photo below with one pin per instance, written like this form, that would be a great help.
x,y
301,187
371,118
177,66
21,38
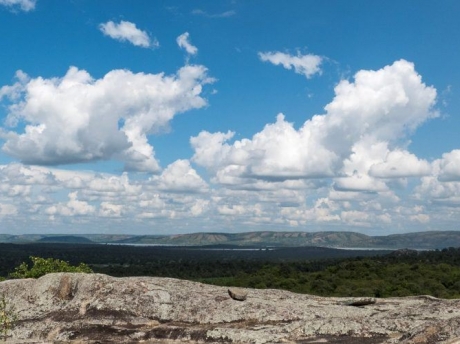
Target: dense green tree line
x,y
157,258
400,273
367,277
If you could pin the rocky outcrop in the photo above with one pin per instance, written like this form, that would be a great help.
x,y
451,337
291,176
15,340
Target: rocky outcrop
x,y
80,308
237,294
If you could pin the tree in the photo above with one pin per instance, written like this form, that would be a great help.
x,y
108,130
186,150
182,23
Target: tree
x,y
43,266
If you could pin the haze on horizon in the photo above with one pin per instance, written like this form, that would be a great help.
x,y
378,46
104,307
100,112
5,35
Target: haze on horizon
x,y
231,116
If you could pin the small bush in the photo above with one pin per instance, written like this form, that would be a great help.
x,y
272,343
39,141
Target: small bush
x,y
43,266
7,317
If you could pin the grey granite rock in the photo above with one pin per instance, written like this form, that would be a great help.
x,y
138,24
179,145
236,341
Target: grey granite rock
x,y
237,294
94,308
360,301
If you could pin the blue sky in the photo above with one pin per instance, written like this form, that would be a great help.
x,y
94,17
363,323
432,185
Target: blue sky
x,y
153,117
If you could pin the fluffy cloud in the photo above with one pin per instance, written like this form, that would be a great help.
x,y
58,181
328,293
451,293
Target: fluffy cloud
x,y
22,175
77,118
357,137
421,218
386,104
73,207
181,177
36,194
307,65
449,166
24,5
278,152
7,210
355,218
349,159
110,187
323,211
400,164
127,31
178,200
443,186
110,210
370,162
183,42
346,169
359,182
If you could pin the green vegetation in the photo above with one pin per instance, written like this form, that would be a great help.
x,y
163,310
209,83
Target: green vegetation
x,y
7,317
366,277
401,273
303,270
42,266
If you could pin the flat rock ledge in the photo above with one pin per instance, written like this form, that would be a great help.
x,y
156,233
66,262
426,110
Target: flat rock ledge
x,y
95,308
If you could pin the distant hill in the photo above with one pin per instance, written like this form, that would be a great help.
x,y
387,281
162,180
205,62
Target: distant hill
x,y
328,239
74,239
419,240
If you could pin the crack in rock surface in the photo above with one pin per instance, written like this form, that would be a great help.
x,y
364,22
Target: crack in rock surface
x,y
96,308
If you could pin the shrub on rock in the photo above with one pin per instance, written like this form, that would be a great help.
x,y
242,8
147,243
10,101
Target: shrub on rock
x,y
43,266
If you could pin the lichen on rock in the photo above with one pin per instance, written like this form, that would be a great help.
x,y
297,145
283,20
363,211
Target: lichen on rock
x,y
90,308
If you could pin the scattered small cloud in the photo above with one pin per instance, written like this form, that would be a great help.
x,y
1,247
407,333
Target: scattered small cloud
x,y
128,32
183,42
23,5
225,14
446,95
307,65
73,207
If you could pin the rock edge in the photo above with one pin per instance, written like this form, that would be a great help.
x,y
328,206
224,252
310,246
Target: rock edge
x,y
95,308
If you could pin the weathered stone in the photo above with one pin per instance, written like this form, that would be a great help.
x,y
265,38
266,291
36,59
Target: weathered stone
x,y
237,294
94,308
361,301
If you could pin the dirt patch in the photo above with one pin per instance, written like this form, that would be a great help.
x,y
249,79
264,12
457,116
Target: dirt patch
x,y
65,289
109,314
101,333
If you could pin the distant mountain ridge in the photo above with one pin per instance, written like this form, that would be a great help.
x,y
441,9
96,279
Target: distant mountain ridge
x,y
418,240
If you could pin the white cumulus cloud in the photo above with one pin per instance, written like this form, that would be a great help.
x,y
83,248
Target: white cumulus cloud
x,y
183,41
349,168
400,164
7,210
277,152
307,65
449,166
127,31
359,182
110,210
73,207
443,186
181,177
362,127
24,5
77,118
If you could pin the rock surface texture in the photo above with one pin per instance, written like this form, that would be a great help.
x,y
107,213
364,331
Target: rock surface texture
x,y
94,308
